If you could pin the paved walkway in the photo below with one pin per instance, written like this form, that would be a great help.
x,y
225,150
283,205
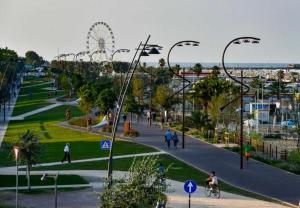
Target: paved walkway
x,y
44,83
177,198
8,113
24,115
256,176
12,169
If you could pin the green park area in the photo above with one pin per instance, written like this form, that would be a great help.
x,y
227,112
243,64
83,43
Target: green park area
x,y
83,144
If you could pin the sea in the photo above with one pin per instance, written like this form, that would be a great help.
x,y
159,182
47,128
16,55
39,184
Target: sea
x,y
229,65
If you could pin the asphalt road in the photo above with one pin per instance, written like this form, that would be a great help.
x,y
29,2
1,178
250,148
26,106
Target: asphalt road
x,y
256,176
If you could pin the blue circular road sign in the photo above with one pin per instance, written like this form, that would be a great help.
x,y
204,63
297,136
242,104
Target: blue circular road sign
x,y
190,186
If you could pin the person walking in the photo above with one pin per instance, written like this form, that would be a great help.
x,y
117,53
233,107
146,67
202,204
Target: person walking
x,y
248,148
162,121
148,117
67,153
124,117
175,139
168,137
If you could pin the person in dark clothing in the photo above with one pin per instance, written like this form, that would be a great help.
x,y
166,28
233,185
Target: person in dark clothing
x,y
168,137
175,139
124,117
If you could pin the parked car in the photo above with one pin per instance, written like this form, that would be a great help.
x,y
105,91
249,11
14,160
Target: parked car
x,y
289,123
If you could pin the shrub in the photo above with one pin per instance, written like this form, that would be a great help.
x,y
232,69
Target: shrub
x,y
81,121
294,156
131,133
107,128
141,188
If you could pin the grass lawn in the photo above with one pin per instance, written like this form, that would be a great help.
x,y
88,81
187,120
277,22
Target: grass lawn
x,y
32,97
10,180
53,138
178,171
27,103
28,81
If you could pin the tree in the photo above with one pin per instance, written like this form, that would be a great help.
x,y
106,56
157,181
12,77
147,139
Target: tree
x,y
131,106
138,89
162,76
106,100
66,84
176,68
142,187
162,63
201,121
214,106
197,69
280,74
162,97
204,90
277,88
216,71
31,57
87,99
295,76
30,149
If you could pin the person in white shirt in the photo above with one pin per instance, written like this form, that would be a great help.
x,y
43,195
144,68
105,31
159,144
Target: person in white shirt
x,y
67,153
214,180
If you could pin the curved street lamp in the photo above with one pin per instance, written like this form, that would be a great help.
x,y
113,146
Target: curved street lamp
x,y
181,44
150,49
121,98
238,41
122,50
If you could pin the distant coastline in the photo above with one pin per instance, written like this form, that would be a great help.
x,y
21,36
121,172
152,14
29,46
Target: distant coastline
x,y
230,65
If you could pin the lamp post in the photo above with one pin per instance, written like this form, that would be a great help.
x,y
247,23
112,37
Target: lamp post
x,y
152,50
238,41
54,176
17,152
121,98
122,50
182,76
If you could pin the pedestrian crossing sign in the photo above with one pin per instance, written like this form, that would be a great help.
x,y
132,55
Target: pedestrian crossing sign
x,y
105,144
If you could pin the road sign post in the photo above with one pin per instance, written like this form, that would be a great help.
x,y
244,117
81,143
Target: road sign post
x,y
190,187
105,144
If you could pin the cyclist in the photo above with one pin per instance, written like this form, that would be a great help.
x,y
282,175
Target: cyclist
x,y
212,181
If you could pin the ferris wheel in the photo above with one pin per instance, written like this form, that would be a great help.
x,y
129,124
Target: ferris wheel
x,y
100,43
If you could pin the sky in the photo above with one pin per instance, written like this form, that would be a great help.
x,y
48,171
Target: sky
x,y
52,26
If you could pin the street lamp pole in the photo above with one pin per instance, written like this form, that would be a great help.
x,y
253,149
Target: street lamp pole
x,y
55,177
180,44
121,98
238,41
152,49
122,50
17,152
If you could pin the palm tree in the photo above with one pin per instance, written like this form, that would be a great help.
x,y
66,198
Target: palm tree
x,y
280,74
197,69
216,71
214,106
30,149
162,63
294,76
176,68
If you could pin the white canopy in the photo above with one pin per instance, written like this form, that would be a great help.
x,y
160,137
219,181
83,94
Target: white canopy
x,y
102,123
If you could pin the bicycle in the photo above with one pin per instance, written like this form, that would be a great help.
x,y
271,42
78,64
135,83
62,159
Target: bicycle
x,y
209,191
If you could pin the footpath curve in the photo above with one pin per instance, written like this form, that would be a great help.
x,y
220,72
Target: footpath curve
x,y
256,177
